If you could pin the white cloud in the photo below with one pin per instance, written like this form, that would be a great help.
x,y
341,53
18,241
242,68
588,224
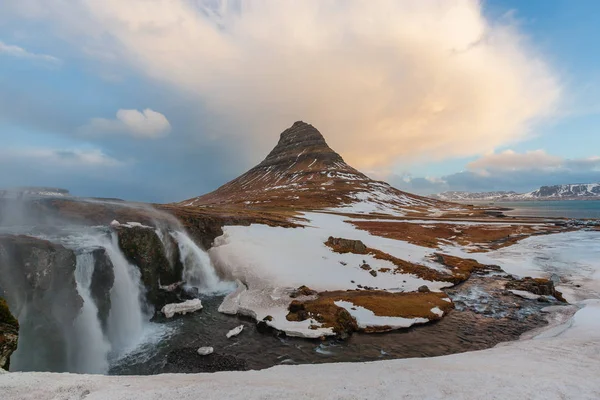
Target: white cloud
x,y
60,157
521,172
147,124
383,80
509,160
19,52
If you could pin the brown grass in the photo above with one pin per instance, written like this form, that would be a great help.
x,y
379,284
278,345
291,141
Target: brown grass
x,y
460,269
384,304
486,237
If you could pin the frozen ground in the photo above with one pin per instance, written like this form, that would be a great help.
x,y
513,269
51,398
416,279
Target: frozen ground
x,y
271,260
563,364
572,259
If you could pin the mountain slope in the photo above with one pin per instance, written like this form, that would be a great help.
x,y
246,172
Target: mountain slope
x,y
303,172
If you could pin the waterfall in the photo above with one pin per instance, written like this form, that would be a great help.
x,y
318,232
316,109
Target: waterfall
x,y
88,348
198,270
126,320
167,245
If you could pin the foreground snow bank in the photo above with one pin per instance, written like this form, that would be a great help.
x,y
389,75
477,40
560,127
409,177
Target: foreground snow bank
x,y
564,365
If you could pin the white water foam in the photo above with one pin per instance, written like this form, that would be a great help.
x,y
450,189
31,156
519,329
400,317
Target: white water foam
x,y
126,320
198,270
88,350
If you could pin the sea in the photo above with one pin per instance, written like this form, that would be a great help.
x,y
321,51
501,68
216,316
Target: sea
x,y
577,209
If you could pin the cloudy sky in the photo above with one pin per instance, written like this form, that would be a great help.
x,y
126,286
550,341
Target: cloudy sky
x,y
162,100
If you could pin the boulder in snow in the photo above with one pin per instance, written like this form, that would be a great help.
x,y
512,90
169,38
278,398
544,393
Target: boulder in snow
x,y
182,308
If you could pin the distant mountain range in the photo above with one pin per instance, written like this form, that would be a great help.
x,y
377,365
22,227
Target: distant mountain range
x,y
584,191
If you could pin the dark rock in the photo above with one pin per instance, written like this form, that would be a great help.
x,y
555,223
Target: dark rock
x,y
265,329
373,272
341,245
9,332
424,289
187,360
543,299
102,282
37,280
142,247
303,291
539,286
295,306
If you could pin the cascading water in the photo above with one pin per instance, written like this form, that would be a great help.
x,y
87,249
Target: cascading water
x,y
198,270
112,328
126,320
167,244
88,349
85,344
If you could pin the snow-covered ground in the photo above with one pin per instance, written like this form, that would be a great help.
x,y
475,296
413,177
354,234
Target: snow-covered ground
x,y
366,318
573,258
272,260
562,364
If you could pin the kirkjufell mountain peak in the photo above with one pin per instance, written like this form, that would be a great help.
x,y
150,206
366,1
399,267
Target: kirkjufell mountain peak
x,y
303,172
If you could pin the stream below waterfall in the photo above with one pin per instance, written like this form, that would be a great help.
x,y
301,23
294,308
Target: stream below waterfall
x,y
477,323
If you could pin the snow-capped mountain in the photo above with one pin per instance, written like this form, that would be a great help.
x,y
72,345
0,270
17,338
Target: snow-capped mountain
x,y
303,172
462,196
556,192
586,190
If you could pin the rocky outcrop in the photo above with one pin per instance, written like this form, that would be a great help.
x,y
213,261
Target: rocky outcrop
x,y
9,331
142,247
37,279
102,282
340,245
539,286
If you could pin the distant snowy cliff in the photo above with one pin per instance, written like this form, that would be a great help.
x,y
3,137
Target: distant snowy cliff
x,y
584,191
565,191
459,196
